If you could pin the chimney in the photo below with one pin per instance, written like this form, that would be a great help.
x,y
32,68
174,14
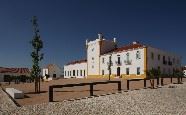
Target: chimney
x,y
100,36
86,43
135,42
114,39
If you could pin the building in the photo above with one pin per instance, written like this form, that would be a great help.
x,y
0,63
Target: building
x,y
53,71
128,61
184,71
13,72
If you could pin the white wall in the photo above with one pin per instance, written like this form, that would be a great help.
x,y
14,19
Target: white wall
x,y
132,56
51,70
78,67
93,53
154,63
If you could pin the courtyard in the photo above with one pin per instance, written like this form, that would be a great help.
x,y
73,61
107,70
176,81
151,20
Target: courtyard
x,y
70,93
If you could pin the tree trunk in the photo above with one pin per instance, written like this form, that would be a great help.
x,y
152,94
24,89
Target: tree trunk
x,y
152,83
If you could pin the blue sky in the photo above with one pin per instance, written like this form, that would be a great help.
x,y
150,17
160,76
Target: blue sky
x,y
66,24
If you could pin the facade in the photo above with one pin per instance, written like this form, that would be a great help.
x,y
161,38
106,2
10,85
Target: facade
x,y
184,71
13,72
53,71
129,61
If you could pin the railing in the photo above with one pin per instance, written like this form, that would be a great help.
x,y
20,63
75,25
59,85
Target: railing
x,y
164,62
170,63
118,63
81,84
128,62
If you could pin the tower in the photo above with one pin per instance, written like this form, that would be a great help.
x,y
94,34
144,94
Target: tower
x,y
95,49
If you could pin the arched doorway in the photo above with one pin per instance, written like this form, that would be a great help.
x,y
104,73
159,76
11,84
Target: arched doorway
x,y
118,71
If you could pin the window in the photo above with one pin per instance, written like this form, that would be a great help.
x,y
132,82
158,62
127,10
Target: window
x,y
127,71
138,56
70,73
74,72
80,72
92,66
102,72
119,60
92,49
92,58
84,72
77,72
138,70
127,56
173,60
65,73
103,60
152,55
158,56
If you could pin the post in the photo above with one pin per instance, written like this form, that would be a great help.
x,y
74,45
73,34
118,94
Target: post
x,y
91,89
144,83
128,84
50,94
162,81
157,80
119,86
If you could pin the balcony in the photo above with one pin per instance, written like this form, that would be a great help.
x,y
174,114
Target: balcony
x,y
164,62
170,63
118,63
128,62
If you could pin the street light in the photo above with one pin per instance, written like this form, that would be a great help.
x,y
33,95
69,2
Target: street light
x,y
109,64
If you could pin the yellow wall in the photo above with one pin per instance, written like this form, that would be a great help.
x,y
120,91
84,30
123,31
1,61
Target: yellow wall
x,y
133,76
145,62
101,76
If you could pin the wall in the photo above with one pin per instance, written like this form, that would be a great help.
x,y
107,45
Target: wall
x,y
78,67
165,68
132,67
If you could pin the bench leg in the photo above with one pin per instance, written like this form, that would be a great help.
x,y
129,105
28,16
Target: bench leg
x,y
128,84
91,90
119,86
50,94
145,83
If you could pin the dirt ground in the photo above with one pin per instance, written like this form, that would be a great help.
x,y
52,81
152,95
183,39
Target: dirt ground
x,y
72,92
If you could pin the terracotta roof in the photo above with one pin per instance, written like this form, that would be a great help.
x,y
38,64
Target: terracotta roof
x,y
77,61
127,47
15,70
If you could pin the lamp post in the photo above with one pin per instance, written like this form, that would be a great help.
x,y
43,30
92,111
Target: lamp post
x,y
109,65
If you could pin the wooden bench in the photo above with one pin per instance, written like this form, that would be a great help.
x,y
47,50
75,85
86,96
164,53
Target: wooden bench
x,y
14,93
91,84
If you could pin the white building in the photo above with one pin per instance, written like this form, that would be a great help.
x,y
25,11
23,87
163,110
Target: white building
x,y
129,61
53,71
184,71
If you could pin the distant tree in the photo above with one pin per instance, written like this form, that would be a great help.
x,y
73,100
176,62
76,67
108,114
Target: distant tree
x,y
178,74
37,45
152,74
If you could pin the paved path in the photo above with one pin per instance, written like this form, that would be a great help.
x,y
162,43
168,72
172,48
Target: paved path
x,y
171,101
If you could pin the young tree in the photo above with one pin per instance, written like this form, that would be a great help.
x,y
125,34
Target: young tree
x,y
37,45
152,74
178,74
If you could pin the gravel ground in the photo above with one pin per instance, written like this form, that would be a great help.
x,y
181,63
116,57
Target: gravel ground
x,y
6,104
165,100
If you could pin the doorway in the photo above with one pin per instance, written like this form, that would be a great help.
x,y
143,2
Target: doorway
x,y
54,75
118,71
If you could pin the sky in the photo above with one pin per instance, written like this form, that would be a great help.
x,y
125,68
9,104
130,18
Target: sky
x,y
66,24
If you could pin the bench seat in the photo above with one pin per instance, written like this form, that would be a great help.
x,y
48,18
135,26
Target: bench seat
x,y
14,93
